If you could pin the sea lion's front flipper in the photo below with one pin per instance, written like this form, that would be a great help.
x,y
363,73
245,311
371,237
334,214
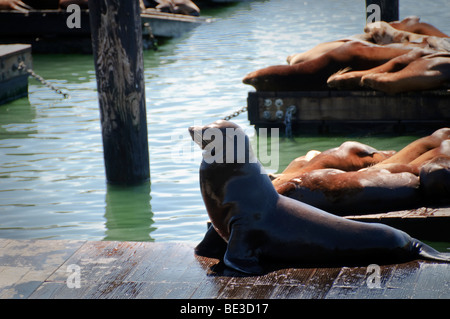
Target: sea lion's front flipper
x,y
212,245
240,255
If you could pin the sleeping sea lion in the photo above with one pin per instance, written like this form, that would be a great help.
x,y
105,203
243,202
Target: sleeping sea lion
x,y
313,74
263,228
349,156
366,191
418,147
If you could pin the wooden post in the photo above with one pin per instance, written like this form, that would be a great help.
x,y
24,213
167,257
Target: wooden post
x,y
117,48
388,10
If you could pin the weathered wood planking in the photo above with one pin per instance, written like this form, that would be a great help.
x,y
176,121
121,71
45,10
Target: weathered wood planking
x,y
425,223
37,269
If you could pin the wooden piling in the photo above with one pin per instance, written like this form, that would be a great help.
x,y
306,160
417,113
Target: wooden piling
x,y
117,48
389,9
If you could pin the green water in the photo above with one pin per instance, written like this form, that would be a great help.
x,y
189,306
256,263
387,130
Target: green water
x,y
52,178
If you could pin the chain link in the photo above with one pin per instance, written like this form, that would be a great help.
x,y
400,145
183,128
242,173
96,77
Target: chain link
x,y
229,117
22,66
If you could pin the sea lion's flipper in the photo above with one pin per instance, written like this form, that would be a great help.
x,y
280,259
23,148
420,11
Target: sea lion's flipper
x,y
212,245
429,253
240,255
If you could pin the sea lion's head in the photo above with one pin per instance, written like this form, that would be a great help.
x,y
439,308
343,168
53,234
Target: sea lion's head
x,y
223,142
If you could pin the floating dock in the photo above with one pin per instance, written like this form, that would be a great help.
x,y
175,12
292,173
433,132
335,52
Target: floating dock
x,y
13,79
47,30
426,223
324,109
75,269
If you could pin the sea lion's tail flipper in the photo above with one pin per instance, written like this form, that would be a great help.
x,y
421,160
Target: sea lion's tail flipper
x,y
429,253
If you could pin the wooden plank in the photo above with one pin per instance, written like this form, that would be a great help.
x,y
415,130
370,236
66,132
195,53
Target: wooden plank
x,y
425,223
110,270
25,264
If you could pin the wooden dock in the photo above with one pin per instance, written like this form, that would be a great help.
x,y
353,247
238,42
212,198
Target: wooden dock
x,y
73,269
325,109
13,80
426,223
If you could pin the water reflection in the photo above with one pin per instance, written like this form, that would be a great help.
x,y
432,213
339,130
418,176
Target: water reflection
x,y
128,213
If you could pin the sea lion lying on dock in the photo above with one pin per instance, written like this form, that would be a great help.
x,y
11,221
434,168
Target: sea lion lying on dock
x,y
377,185
263,230
349,156
417,70
366,61
313,74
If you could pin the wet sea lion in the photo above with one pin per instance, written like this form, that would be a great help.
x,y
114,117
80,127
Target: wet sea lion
x,y
263,228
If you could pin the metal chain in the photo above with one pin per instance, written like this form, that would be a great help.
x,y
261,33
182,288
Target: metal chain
x,y
151,37
22,66
241,110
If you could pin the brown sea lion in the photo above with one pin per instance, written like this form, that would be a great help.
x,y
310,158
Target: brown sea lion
x,y
412,24
442,150
418,147
359,192
263,228
14,5
348,80
425,73
383,33
313,74
349,156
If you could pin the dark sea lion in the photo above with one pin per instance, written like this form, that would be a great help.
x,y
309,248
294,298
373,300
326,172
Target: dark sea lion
x,y
263,228
435,181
